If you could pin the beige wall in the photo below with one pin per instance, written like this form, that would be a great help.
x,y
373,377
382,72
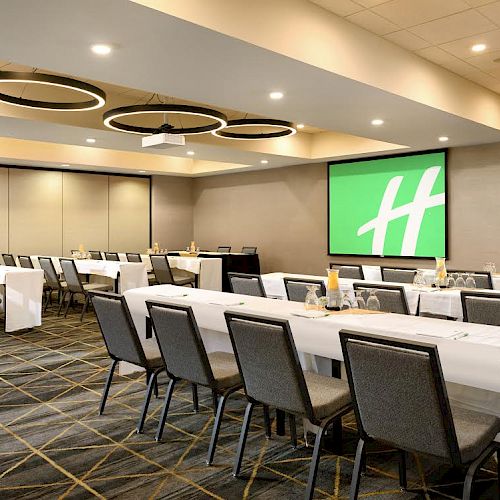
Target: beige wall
x,y
172,211
283,212
4,209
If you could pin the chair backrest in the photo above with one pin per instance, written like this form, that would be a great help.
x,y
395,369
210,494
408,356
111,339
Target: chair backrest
x,y
161,268
351,271
482,278
95,254
268,362
25,261
481,307
249,250
224,249
180,342
134,257
9,260
399,394
246,284
50,272
71,275
117,328
112,256
296,288
396,275
392,298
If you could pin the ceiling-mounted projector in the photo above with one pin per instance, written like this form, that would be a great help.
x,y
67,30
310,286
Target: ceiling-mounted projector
x,y
163,141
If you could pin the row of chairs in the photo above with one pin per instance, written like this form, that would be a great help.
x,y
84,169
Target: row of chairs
x,y
406,275
247,250
396,388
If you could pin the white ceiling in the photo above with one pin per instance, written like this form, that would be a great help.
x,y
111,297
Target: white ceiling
x,y
157,52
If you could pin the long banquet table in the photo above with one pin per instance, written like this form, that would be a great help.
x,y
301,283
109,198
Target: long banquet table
x,y
469,353
22,298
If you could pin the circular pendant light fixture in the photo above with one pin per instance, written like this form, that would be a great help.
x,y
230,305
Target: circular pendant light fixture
x,y
284,129
218,119
98,97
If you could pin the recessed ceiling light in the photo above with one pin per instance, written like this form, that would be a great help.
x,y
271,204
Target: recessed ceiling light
x,y
300,125
101,49
264,162
377,122
65,165
478,47
90,140
190,153
276,95
142,171
443,138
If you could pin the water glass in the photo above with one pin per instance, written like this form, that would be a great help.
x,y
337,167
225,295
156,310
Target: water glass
x,y
312,299
451,281
373,304
460,282
470,282
346,302
360,300
419,279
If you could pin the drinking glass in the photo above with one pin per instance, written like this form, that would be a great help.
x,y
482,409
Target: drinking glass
x,y
451,281
373,303
460,282
360,300
419,279
312,299
470,282
346,302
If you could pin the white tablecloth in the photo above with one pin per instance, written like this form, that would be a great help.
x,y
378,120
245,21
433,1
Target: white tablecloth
x,y
23,297
469,353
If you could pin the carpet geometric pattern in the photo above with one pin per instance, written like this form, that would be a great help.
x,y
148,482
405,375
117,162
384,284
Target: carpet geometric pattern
x,y
54,444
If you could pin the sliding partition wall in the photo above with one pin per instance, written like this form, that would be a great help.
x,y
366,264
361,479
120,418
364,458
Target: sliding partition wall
x,y
48,212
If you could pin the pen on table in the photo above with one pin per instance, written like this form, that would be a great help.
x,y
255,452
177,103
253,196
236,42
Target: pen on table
x,y
461,336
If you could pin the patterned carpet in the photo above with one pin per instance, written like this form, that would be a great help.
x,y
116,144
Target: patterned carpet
x,y
53,443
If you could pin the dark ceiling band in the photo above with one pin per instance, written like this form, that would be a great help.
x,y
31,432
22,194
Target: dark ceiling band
x,y
98,96
286,129
110,118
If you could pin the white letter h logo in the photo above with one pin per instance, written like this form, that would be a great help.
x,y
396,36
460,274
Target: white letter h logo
x,y
415,211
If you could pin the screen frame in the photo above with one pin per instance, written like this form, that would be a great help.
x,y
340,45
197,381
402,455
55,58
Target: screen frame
x,y
383,157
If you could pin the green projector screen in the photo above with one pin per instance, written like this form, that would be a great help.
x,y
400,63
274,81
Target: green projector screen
x,y
393,206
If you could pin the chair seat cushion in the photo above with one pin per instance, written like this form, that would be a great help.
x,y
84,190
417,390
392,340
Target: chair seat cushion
x,y
183,280
328,394
152,353
97,286
224,368
475,431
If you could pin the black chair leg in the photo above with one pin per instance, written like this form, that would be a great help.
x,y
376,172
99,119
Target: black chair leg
x,y
403,483
194,390
267,421
70,300
293,430
164,412
151,377
471,472
313,469
107,386
356,473
85,305
61,303
243,439
215,401
217,423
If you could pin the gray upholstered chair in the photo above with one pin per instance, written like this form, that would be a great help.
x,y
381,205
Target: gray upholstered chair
x,y
351,271
164,275
95,254
396,275
52,282
9,260
249,250
25,261
392,298
74,286
483,279
246,284
481,307
296,288
224,249
123,343
272,376
113,256
133,257
185,357
400,399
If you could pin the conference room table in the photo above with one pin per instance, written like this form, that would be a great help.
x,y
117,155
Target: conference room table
x,y
425,299
469,353
21,300
232,262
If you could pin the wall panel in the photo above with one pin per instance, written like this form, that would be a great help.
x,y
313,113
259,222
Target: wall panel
x,y
85,211
35,212
4,209
128,214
